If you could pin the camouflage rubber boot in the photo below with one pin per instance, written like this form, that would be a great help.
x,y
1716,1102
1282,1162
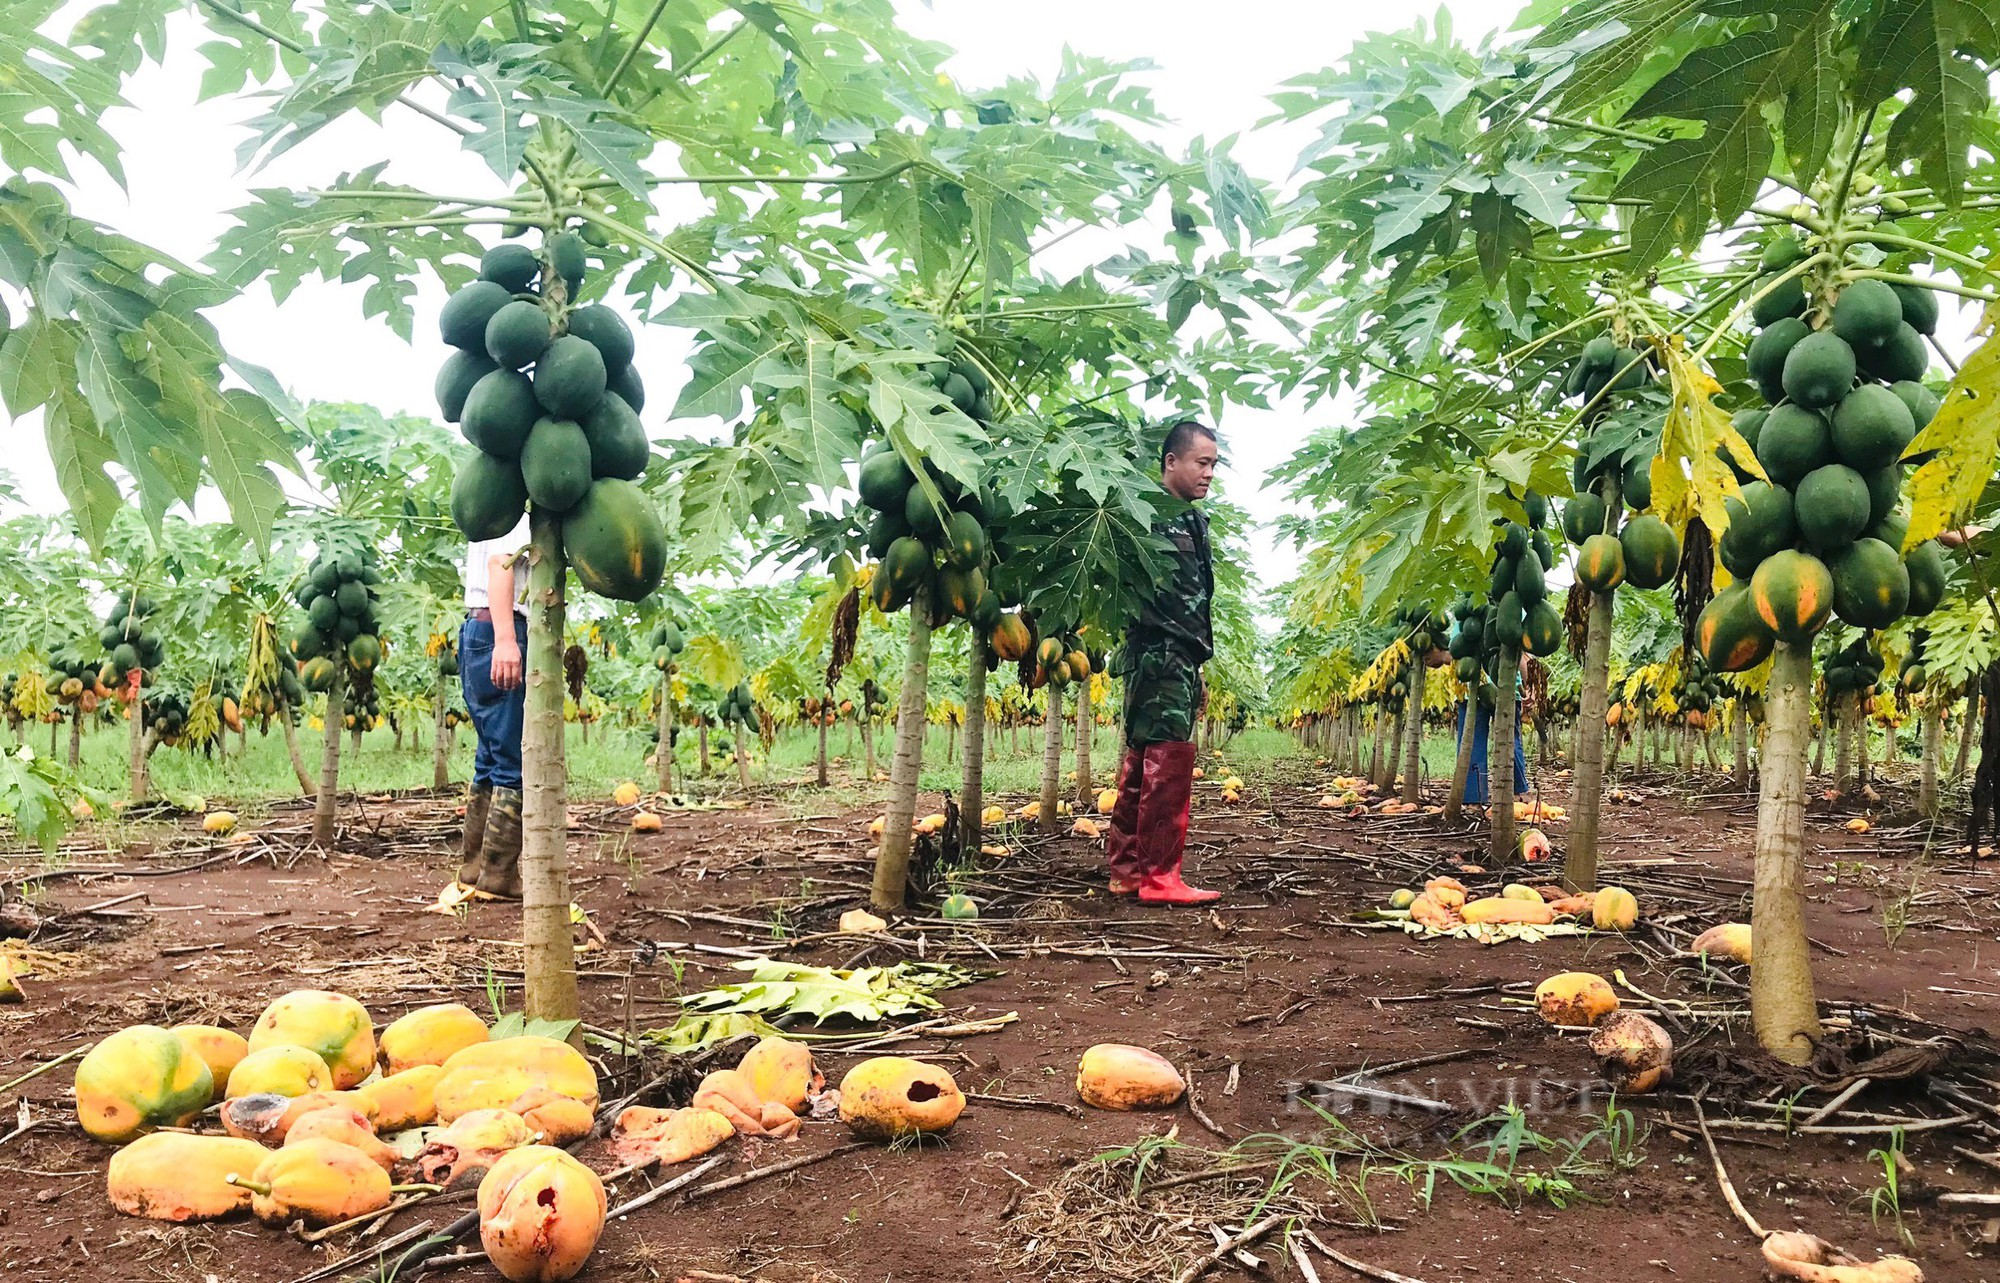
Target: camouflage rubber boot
x,y
501,878
472,851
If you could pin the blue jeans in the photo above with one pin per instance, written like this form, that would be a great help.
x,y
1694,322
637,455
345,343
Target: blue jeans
x,y
496,714
1476,783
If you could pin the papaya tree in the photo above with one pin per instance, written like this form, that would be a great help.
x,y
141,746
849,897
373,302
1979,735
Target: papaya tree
x,y
965,355
1857,198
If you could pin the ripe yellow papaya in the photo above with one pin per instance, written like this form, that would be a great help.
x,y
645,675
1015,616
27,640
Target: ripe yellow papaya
x,y
333,1025
169,1176
220,1049
495,1075
281,1069
540,1215
430,1036
137,1080
404,1100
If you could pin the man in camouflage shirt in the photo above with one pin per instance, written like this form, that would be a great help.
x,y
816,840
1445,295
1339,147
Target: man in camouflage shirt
x,y
1164,651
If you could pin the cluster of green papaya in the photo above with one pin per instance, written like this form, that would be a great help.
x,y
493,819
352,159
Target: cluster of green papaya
x,y
667,643
930,535
1062,659
125,637
1699,689
1468,645
167,715
338,594
1823,536
548,393
75,677
1854,669
1604,365
737,705
447,660
1522,615
1913,675
1643,552
364,708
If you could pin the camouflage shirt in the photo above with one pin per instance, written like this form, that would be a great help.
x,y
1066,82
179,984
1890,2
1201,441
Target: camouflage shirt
x,y
1167,645
1177,618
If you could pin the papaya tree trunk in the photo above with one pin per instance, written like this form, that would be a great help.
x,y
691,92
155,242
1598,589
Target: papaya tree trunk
x,y
1052,746
1708,749
1967,729
1927,779
892,860
1782,1006
440,738
820,717
704,747
1684,747
75,736
548,957
663,756
1500,759
136,715
950,742
1740,729
1461,771
1375,745
868,744
327,796
1086,796
291,734
1586,794
1413,756
1389,732
1843,758
1863,742
972,780
742,753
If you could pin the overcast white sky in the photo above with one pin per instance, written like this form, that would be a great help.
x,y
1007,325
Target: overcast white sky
x,y
1214,68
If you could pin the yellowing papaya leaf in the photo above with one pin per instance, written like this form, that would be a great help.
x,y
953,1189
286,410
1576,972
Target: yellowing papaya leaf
x,y
1962,442
1381,674
1689,478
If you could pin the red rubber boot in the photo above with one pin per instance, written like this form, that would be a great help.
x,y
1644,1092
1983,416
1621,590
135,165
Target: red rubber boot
x,y
1164,801
1121,844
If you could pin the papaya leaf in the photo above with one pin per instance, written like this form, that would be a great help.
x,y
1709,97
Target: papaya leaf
x,y
866,995
1689,479
1961,445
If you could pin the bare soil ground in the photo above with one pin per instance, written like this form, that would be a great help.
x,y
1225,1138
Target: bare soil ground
x,y
1275,987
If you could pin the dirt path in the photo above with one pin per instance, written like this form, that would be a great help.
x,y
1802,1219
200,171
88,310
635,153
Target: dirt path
x,y
1271,989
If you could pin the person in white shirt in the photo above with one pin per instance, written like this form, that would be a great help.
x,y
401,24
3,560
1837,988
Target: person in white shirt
x,y
489,667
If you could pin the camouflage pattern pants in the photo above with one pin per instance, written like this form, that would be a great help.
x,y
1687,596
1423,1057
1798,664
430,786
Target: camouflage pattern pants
x,y
1163,697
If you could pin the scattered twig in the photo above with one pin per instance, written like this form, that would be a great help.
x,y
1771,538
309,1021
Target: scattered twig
x,y
1024,1102
1832,1107
1251,1235
775,1169
1359,1267
1194,1105
72,1054
378,1251
661,1191
1722,1179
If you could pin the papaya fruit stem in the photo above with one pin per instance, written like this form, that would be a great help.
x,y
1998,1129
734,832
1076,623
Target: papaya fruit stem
x,y
259,1188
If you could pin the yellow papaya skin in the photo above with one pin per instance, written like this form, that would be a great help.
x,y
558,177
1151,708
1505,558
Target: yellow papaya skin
x,y
430,1036
138,1080
332,1025
168,1176
404,1100
219,1049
